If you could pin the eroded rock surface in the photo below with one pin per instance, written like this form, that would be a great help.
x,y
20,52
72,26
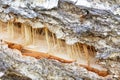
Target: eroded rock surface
x,y
113,65
12,63
94,22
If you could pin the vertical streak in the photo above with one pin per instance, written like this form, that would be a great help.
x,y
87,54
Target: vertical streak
x,y
58,43
79,50
10,30
33,35
0,27
73,52
70,54
82,50
67,50
47,38
53,37
76,51
28,34
86,54
22,31
93,50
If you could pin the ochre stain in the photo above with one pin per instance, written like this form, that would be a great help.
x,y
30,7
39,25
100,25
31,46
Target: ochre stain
x,y
102,73
39,55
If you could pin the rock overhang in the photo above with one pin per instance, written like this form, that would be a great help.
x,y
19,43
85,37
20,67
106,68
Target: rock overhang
x,y
98,28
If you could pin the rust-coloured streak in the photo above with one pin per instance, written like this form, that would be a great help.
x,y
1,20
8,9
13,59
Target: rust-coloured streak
x,y
39,55
102,73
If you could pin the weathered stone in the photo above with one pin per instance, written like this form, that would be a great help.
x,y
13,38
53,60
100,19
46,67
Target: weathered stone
x,y
24,67
93,22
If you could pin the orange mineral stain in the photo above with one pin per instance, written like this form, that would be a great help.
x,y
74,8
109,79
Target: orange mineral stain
x,y
35,54
102,73
39,55
41,42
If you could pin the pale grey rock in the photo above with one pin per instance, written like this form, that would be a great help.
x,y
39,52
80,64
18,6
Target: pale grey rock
x,y
100,28
113,65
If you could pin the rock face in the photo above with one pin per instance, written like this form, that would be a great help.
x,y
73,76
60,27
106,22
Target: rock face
x,y
113,65
94,22
15,66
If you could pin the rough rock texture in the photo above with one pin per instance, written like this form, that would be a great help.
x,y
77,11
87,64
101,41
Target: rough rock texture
x,y
113,65
94,22
14,66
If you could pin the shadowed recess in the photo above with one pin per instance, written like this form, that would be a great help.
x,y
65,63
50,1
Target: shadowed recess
x,y
42,43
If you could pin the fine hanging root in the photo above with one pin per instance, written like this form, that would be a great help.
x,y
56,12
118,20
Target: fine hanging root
x,y
10,29
73,52
1,29
59,45
47,37
86,54
53,39
80,51
68,50
92,52
77,51
22,31
27,33
39,55
34,34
